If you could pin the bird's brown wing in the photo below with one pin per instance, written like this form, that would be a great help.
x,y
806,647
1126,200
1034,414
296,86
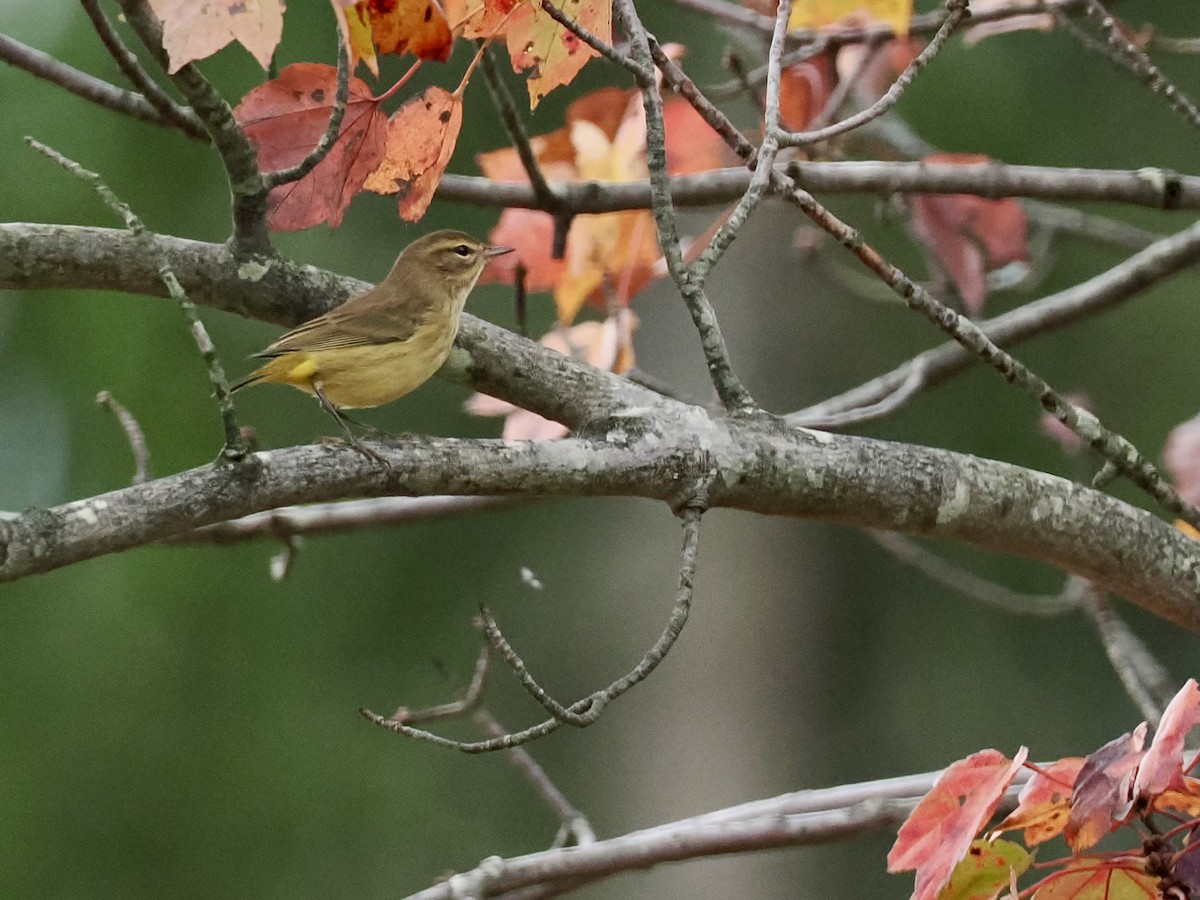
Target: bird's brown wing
x,y
353,324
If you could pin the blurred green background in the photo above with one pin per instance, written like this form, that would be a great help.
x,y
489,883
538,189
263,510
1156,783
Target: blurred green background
x,y
177,724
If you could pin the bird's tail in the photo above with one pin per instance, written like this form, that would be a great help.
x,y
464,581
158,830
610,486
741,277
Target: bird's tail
x,y
251,379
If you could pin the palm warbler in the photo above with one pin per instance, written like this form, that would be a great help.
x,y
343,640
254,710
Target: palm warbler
x,y
381,345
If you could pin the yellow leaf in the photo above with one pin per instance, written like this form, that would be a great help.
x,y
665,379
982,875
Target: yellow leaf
x,y
822,13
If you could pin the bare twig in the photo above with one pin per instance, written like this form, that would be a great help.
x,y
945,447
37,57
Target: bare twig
x,y
845,86
1152,188
329,138
180,116
981,590
791,820
734,63
587,710
1120,283
1186,46
1145,680
729,387
81,84
469,701
335,518
765,160
957,12
606,50
545,196
133,433
1109,444
235,445
915,382
574,829
1141,66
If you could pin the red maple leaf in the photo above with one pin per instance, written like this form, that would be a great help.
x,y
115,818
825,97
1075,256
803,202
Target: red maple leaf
x,y
939,832
286,117
1161,769
970,236
1101,800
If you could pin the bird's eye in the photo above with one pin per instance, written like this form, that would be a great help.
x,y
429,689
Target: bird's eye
x,y
462,250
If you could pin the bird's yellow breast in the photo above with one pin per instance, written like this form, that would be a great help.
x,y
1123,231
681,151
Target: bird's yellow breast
x,y
366,375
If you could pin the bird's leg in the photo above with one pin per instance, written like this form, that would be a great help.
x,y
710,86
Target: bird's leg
x,y
344,421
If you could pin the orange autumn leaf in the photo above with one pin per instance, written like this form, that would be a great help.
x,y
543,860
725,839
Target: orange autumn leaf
x,y
691,144
939,831
1045,802
610,255
615,253
421,137
1186,799
418,27
286,117
536,43
804,90
530,233
551,54
479,18
968,235
194,29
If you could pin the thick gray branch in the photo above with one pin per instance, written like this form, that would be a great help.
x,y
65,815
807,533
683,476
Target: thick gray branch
x,y
633,443
499,363
857,481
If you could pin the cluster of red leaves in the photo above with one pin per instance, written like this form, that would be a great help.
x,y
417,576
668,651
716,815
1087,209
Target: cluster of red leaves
x,y
405,154
1082,799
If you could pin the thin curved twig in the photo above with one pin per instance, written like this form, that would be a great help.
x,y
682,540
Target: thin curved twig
x,y
1123,281
981,590
332,130
958,11
236,449
729,387
1144,678
1140,65
586,711
81,84
179,116
133,434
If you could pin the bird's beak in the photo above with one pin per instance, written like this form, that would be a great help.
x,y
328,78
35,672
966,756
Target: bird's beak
x,y
489,252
